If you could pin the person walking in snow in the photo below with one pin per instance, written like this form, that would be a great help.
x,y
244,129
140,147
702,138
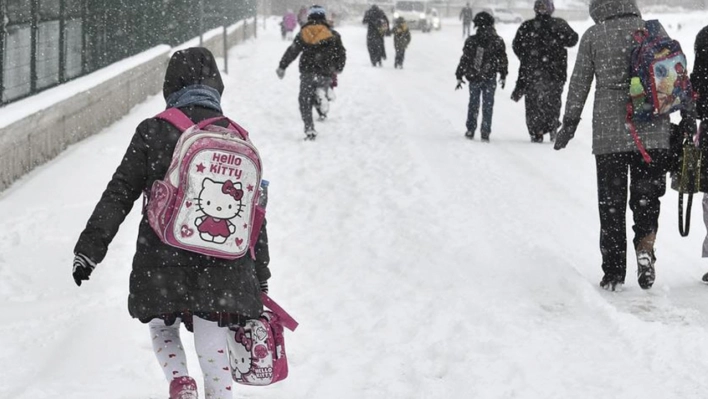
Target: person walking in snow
x,y
483,57
540,44
699,81
466,16
401,40
170,286
323,55
604,52
288,25
302,16
377,27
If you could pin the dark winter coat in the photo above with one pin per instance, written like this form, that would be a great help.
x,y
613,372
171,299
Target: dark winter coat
x,y
466,15
377,23
604,53
322,50
699,76
540,44
483,56
164,279
401,36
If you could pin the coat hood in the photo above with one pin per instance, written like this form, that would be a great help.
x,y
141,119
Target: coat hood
x,y
602,10
315,32
193,66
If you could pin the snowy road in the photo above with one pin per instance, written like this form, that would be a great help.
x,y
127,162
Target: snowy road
x,y
419,264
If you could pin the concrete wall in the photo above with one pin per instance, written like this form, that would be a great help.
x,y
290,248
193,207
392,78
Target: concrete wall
x,y
41,136
236,34
38,138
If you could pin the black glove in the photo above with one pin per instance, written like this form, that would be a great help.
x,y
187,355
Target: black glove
x,y
688,127
502,81
517,94
83,266
460,82
264,286
566,132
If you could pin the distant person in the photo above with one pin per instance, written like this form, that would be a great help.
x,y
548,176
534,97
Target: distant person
x,y
605,54
302,16
288,25
401,40
483,57
323,55
466,16
377,27
169,285
540,44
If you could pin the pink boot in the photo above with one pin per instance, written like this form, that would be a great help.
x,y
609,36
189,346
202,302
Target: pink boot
x,y
183,388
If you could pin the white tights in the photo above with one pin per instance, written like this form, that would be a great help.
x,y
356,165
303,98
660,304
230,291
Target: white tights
x,y
210,344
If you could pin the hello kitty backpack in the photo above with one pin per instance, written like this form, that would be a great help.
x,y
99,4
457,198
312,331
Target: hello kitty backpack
x,y
257,350
207,202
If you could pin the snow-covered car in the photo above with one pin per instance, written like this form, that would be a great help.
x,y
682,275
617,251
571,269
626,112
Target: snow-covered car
x,y
416,13
504,15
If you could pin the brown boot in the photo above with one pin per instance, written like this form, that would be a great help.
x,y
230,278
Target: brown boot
x,y
645,261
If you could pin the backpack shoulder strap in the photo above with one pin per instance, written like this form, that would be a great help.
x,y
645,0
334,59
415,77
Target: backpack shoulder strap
x,y
176,118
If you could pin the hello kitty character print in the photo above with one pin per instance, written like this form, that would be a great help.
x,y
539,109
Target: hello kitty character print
x,y
257,349
207,202
240,354
220,203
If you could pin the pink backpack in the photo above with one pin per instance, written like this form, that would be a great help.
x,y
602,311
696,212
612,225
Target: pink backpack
x,y
207,202
257,350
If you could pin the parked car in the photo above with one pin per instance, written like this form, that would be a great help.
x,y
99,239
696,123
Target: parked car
x,y
504,15
417,14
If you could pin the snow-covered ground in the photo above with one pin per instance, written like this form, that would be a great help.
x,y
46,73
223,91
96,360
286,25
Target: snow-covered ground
x,y
418,263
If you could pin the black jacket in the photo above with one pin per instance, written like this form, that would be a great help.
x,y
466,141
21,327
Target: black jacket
x,y
322,50
164,279
483,56
377,23
699,76
540,44
401,35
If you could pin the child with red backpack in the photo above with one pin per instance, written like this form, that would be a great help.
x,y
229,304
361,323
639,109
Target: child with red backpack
x,y
208,290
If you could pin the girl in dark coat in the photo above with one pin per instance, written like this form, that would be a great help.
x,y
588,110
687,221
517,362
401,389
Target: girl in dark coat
x,y
401,40
169,285
699,81
699,77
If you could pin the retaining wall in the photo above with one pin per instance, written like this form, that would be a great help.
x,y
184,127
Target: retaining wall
x,y
52,120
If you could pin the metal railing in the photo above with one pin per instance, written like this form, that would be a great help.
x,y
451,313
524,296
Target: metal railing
x,y
44,43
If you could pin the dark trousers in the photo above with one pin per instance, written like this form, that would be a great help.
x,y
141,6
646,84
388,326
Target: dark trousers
x,y
466,29
309,82
484,89
647,184
377,48
543,106
400,55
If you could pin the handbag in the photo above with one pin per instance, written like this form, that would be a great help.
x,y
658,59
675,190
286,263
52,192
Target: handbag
x,y
686,177
257,349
